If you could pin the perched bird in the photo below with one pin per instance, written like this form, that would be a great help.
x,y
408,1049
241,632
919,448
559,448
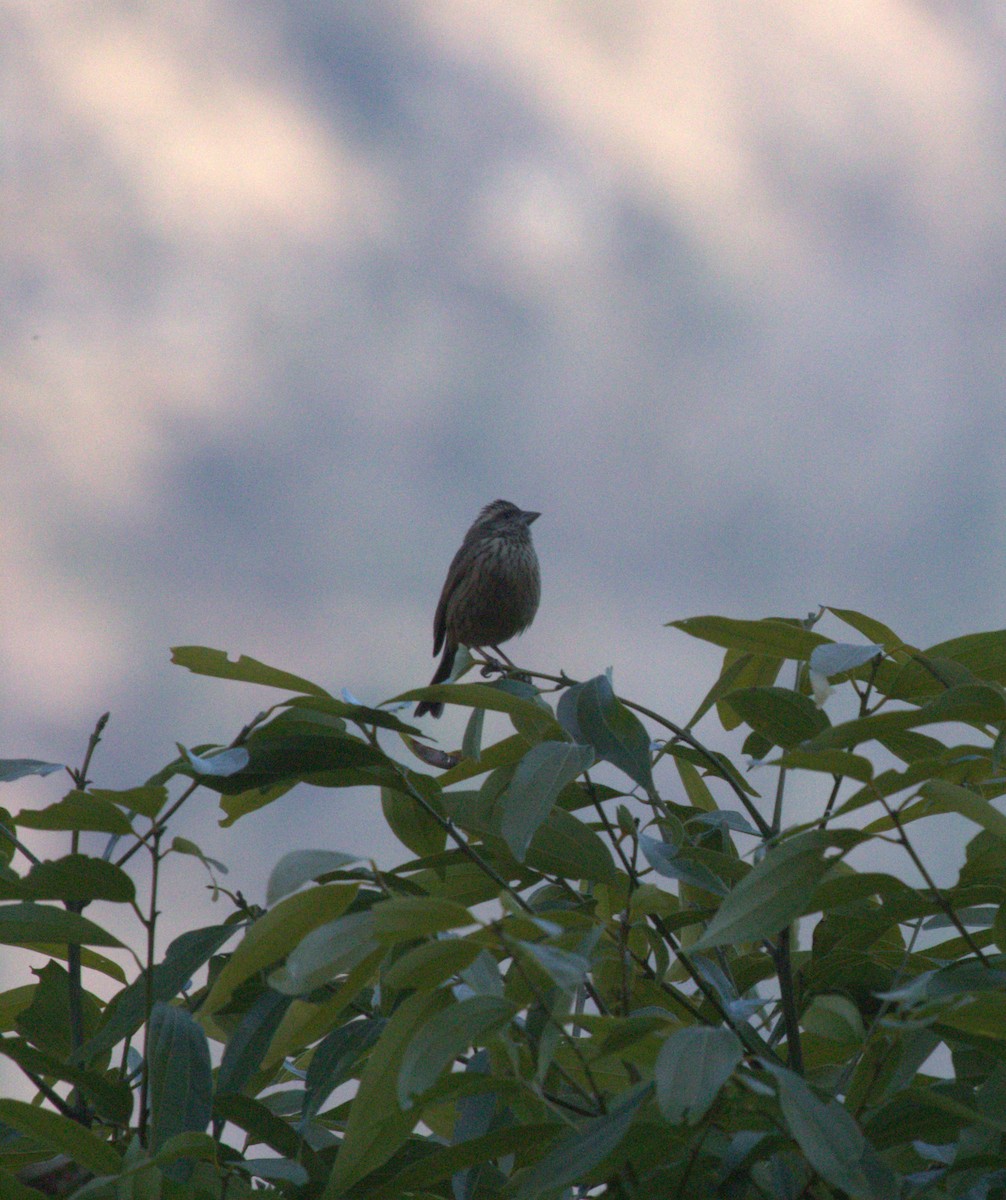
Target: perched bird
x,y
491,591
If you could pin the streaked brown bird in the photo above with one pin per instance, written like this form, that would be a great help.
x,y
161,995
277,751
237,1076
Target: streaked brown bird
x,y
491,592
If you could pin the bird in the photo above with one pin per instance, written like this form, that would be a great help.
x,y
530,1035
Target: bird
x,y
491,592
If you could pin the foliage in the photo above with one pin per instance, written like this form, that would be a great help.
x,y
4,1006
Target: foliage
x,y
611,964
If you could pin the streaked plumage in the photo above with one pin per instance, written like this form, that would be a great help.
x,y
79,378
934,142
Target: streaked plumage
x,y
492,589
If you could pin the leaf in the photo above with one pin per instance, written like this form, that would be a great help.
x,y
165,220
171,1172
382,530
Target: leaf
x,y
111,1098
771,636
325,757
201,660
967,703
565,846
832,762
246,1048
832,1141
18,768
526,1141
61,1135
868,627
405,918
446,1035
377,1126
299,867
776,890
983,655
668,861
566,969
30,923
536,784
579,1153
941,796
334,1060
429,964
616,733
271,936
126,1011
76,811
331,949
262,1125
147,800
75,877
779,714
495,698
409,821
691,1068
179,1073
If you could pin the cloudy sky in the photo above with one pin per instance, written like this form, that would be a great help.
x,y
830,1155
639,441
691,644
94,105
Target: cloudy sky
x,y
292,289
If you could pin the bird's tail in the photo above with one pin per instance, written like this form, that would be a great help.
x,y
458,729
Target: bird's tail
x,y
433,707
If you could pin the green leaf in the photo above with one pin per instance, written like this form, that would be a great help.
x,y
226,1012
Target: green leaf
x,y
359,714
835,1018
445,1036
44,1020
579,1153
429,964
126,1011
539,778
831,762
201,660
76,877
377,1125
495,699
616,733
61,1135
271,936
77,811
111,1098
331,949
299,867
968,703
405,918
408,820
246,1048
868,627
318,756
779,714
11,1188
776,890
667,860
983,655
565,968
27,924
18,768
335,1060
772,637
261,1125
525,1141
983,1015
739,671
691,1068
179,1073
565,846
833,1143
941,797
471,743
147,801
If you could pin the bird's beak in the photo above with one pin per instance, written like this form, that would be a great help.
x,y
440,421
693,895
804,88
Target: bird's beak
x,y
530,517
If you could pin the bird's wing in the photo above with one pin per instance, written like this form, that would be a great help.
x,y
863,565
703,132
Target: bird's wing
x,y
454,575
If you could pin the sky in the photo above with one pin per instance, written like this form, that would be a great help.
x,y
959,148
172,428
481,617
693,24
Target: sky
x,y
292,289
